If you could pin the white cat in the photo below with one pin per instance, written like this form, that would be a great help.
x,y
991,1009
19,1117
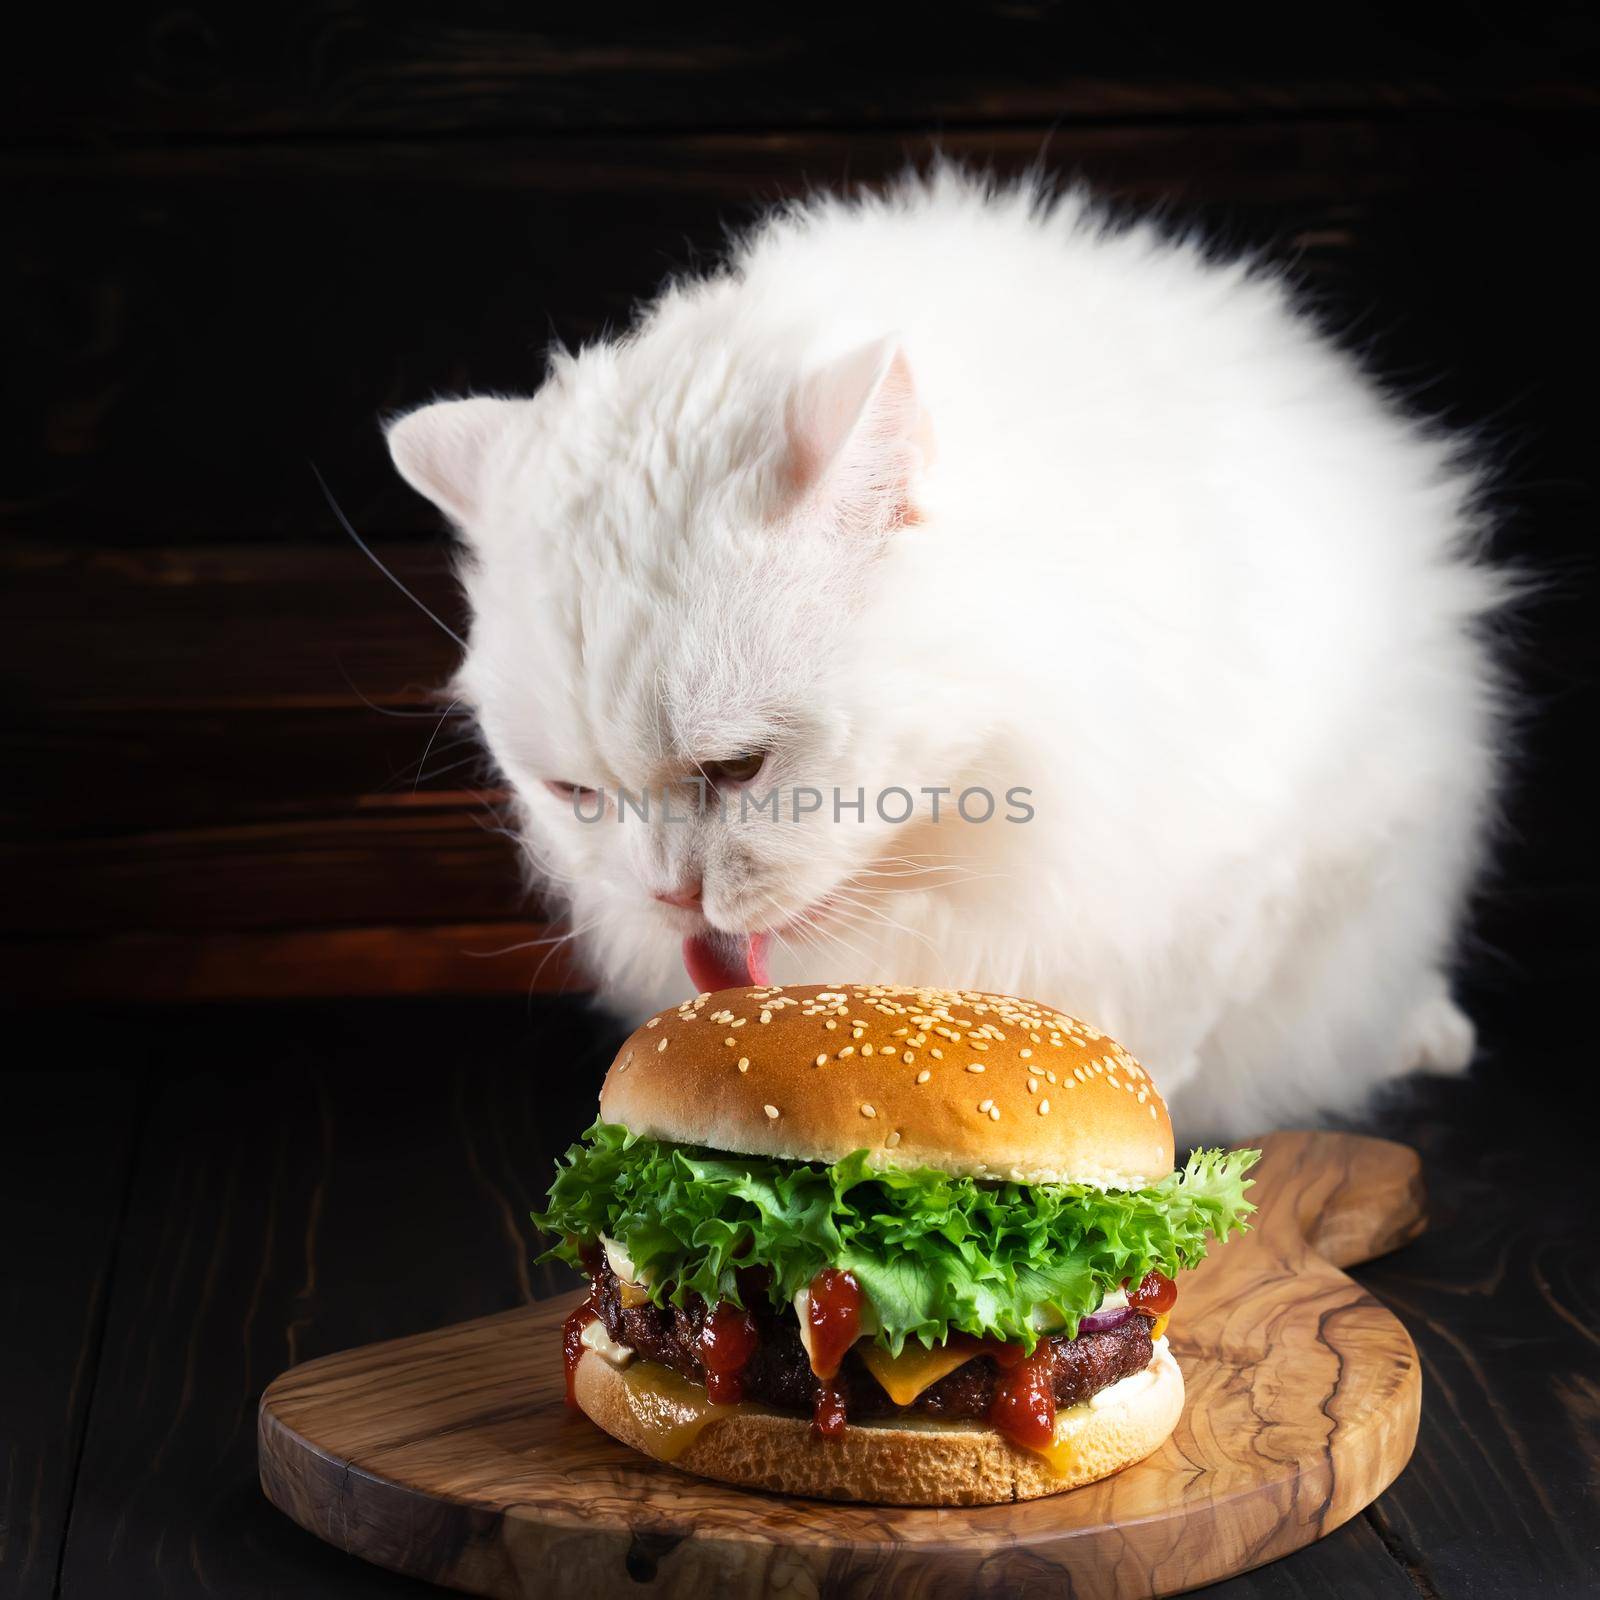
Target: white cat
x,y
958,487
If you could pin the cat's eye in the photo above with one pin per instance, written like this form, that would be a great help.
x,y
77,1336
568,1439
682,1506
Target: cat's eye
x,y
736,769
568,791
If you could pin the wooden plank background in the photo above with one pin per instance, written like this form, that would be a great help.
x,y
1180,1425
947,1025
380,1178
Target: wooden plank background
x,y
237,236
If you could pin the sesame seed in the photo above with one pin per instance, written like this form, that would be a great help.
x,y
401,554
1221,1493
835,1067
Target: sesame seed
x,y
653,1022
994,1113
908,1058
730,1040
866,1049
771,1111
660,1047
986,1105
1152,1113
766,1016
893,1139
869,1111
974,1066
1044,1107
849,1050
822,1061
1033,1086
937,1053
1024,1054
924,1075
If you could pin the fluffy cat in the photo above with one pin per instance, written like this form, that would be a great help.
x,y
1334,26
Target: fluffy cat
x,y
960,485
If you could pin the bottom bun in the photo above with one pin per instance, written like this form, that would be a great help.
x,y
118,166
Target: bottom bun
x,y
915,1462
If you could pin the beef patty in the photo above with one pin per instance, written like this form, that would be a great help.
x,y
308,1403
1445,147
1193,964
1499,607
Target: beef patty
x,y
779,1373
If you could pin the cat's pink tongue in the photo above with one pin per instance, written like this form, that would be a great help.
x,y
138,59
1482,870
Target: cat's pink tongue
x,y
716,961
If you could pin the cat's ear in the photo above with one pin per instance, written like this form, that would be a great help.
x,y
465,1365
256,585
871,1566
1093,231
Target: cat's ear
x,y
859,440
440,450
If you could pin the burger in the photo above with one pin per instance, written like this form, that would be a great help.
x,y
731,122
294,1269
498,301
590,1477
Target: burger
x,y
899,1245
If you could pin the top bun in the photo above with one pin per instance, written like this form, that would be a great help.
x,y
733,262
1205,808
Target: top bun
x,y
977,1085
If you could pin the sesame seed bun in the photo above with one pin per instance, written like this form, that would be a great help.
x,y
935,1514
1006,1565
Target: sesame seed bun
x,y
978,1085
922,1462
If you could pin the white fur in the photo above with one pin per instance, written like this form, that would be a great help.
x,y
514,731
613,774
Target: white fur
x,y
1174,564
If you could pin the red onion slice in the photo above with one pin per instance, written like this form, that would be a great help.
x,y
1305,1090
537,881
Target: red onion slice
x,y
1104,1321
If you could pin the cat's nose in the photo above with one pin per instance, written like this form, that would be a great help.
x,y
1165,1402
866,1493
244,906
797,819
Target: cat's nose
x,y
686,896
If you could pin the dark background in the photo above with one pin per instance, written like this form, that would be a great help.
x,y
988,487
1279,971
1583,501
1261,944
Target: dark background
x,y
274,1100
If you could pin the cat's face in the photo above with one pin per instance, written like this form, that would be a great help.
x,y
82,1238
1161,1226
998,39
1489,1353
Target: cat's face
x,y
671,640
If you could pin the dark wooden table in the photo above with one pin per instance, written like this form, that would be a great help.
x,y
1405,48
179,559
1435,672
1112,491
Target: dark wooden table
x,y
197,1198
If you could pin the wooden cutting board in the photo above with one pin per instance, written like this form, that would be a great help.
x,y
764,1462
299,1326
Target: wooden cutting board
x,y
451,1456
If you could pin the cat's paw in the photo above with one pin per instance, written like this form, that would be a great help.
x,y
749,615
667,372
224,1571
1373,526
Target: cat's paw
x,y
1440,1036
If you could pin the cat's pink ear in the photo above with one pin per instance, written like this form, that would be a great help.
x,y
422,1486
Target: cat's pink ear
x,y
440,450
858,441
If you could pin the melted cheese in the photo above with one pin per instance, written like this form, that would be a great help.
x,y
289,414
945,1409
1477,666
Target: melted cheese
x,y
802,1311
1061,1454
594,1337
668,1410
630,1288
1159,1327
906,1375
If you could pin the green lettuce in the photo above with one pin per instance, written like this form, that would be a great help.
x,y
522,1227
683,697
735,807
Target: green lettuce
x,y
934,1254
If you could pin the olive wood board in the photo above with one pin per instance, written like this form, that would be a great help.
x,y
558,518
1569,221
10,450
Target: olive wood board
x,y
451,1456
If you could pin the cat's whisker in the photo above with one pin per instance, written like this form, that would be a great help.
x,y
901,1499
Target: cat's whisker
x,y
428,748
904,872
449,766
922,888
853,910
410,769
392,711
931,855
533,944
555,945
820,931
366,550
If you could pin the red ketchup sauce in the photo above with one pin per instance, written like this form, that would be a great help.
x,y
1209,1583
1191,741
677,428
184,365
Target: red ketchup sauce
x,y
1024,1404
828,1410
1155,1294
834,1318
834,1313
589,1257
727,1341
578,1319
